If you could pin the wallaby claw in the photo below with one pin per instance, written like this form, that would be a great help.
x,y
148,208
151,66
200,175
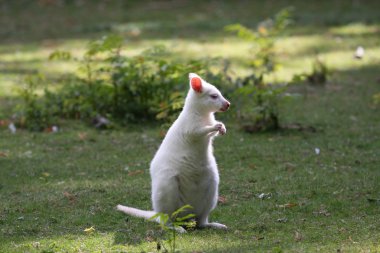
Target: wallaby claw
x,y
221,128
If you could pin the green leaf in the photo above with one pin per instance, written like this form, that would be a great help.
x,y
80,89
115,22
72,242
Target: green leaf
x,y
184,218
241,31
180,210
60,55
107,43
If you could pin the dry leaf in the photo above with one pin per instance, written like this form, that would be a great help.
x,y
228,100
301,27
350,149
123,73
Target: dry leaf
x,y
82,136
288,205
264,195
36,244
3,154
135,172
4,122
70,197
352,240
322,211
89,230
258,238
51,129
149,239
297,236
222,199
45,174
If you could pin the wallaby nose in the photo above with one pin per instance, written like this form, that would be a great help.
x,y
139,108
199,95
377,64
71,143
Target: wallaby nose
x,y
226,106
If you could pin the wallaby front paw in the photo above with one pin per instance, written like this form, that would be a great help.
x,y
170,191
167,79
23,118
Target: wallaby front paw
x,y
220,128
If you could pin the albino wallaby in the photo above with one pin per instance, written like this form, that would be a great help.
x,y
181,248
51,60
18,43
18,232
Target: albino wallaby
x,y
184,170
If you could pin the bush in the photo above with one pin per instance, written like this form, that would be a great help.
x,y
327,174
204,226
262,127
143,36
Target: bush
x,y
149,86
140,88
258,101
35,114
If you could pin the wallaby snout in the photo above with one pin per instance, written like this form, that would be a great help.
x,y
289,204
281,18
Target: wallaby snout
x,y
226,105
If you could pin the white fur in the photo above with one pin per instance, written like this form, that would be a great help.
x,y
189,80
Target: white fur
x,y
184,170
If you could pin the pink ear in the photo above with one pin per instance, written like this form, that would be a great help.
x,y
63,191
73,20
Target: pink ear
x,y
196,84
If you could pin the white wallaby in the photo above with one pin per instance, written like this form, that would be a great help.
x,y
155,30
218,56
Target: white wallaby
x,y
184,170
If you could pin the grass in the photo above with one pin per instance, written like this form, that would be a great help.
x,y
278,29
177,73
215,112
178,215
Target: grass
x,y
54,186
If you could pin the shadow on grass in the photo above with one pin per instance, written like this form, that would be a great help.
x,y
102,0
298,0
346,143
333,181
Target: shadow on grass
x,y
183,19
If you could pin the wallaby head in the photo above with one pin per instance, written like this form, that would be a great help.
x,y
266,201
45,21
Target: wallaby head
x,y
205,97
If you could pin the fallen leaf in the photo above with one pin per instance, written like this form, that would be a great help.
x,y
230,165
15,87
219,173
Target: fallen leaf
x,y
298,236
89,230
27,154
322,211
282,220
3,154
258,238
4,122
352,240
149,239
264,195
222,199
45,174
70,197
36,244
82,136
135,172
288,205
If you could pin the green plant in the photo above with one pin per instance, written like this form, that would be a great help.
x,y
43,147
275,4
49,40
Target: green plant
x,y
263,38
319,72
257,101
258,106
138,88
174,223
35,113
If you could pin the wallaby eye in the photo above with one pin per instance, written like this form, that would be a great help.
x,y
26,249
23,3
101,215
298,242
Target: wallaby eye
x,y
214,96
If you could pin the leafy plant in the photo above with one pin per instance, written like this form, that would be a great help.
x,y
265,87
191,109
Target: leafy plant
x,y
259,105
257,101
319,73
139,88
263,39
174,223
35,113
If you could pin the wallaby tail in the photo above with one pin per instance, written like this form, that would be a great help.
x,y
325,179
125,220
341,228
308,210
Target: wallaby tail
x,y
136,212
145,214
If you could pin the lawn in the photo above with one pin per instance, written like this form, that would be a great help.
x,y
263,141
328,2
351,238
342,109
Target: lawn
x,y
284,191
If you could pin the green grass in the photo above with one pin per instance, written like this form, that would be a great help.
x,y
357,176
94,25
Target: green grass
x,y
54,186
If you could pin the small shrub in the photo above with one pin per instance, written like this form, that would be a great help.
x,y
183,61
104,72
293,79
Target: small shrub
x,y
173,223
145,87
319,73
259,105
35,113
258,102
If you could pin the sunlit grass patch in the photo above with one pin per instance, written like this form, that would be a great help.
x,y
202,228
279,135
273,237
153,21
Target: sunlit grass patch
x,y
356,29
